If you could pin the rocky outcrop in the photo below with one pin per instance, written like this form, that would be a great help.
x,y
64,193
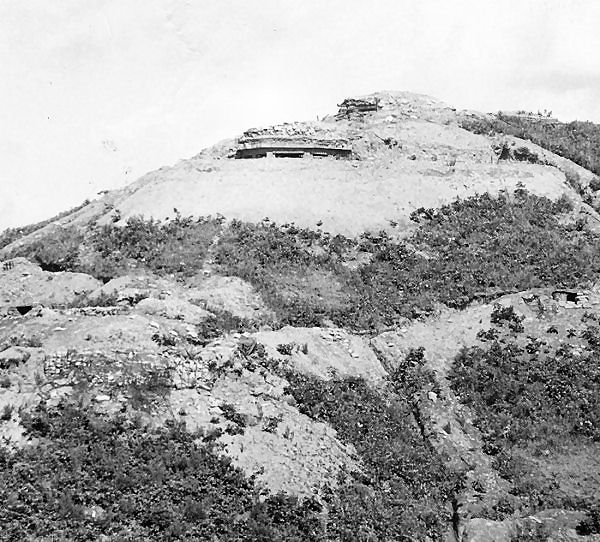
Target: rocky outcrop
x,y
24,284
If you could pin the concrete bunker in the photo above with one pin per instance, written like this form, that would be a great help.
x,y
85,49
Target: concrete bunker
x,y
296,140
352,107
291,150
571,297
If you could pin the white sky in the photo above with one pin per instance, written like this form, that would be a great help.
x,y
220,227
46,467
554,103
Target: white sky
x,y
95,93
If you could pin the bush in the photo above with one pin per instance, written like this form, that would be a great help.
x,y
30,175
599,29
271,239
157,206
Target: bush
x,y
297,271
523,395
508,315
595,184
56,251
482,246
169,484
459,252
178,246
578,141
147,484
404,488
472,246
523,154
231,414
531,397
591,524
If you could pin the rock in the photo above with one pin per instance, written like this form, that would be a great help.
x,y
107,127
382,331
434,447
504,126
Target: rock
x,y
23,284
485,530
173,308
247,345
230,294
95,513
102,398
14,355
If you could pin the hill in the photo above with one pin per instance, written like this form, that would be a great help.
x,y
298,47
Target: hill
x,y
379,326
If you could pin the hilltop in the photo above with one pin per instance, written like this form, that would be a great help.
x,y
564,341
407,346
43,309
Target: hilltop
x,y
382,325
412,151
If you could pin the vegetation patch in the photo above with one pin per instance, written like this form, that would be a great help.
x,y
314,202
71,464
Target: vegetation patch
x,y
403,491
578,141
93,476
297,271
531,399
459,252
56,251
178,246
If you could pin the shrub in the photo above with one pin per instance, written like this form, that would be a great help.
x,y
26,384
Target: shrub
x,y
296,270
480,244
472,246
591,524
7,412
56,251
531,397
595,184
521,394
222,322
410,376
286,349
149,484
404,487
578,141
178,246
102,300
523,154
231,414
508,315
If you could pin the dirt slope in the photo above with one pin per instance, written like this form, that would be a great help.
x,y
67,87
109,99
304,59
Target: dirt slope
x,y
410,153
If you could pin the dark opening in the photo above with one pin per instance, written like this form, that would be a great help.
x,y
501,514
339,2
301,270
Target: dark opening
x,y
505,154
566,295
23,309
289,154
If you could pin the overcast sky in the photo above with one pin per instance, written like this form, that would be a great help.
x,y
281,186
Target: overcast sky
x,y
94,93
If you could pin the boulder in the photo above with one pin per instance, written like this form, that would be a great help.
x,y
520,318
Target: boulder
x,y
231,294
486,530
24,284
174,309
15,355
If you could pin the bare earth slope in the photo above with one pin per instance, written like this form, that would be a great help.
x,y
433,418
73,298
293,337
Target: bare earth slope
x,y
409,153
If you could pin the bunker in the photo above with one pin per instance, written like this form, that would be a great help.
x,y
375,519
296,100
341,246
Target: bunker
x,y
291,149
352,107
296,140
